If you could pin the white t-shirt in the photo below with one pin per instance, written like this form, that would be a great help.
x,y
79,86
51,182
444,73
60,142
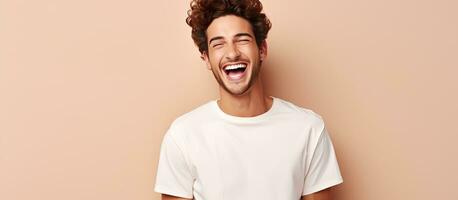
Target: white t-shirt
x,y
283,153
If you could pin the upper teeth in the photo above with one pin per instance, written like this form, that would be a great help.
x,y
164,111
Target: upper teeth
x,y
231,67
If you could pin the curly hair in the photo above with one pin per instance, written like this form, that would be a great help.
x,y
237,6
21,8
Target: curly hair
x,y
203,12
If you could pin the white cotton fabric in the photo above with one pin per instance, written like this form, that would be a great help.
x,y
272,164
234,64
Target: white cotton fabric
x,y
284,153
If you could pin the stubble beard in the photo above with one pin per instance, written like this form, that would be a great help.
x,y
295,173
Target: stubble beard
x,y
253,78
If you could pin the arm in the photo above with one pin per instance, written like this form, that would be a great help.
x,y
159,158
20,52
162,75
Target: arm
x,y
323,170
168,197
174,180
321,195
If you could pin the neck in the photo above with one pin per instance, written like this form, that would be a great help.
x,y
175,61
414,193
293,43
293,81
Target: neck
x,y
254,102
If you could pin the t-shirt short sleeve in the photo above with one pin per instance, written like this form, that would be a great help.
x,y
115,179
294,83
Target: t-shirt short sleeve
x,y
173,172
322,169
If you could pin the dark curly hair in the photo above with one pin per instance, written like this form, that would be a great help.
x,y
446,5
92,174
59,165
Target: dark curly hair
x,y
203,12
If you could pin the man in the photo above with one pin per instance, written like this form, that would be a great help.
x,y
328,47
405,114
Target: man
x,y
246,145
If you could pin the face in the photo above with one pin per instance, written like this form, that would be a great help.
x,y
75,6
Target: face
x,y
233,55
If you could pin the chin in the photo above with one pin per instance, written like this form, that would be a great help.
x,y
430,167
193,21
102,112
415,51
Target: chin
x,y
238,91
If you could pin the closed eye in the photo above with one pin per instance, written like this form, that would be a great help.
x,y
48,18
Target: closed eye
x,y
243,41
217,45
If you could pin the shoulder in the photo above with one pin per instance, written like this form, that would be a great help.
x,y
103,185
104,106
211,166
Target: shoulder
x,y
304,115
191,119
310,121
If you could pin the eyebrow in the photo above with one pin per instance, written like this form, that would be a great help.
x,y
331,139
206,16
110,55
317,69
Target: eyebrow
x,y
236,36
243,34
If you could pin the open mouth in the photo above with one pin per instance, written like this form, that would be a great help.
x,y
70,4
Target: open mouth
x,y
236,71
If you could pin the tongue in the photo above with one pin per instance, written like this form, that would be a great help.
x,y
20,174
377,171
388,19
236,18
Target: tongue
x,y
236,74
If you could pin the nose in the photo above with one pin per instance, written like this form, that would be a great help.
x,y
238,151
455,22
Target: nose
x,y
232,52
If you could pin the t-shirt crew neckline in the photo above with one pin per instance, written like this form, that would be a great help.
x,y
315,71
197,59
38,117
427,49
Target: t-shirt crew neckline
x,y
256,118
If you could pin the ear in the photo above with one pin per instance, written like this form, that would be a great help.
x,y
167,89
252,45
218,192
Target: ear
x,y
263,51
204,56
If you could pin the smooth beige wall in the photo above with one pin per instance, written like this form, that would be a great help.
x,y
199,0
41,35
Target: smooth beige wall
x,y
88,88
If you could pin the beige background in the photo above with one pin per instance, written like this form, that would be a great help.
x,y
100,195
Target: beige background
x,y
89,87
